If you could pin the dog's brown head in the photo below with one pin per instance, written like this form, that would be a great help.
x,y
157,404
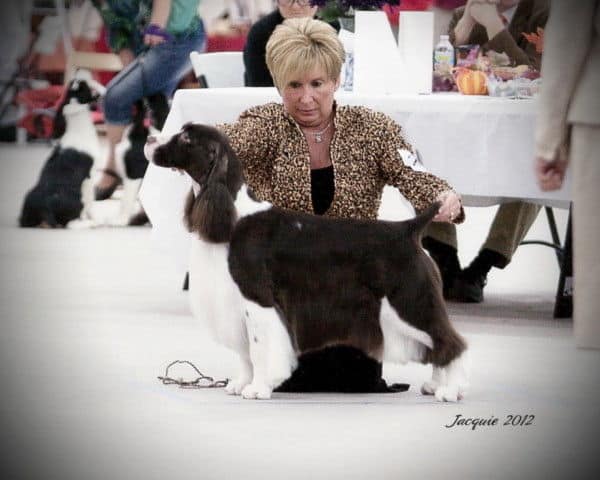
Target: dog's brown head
x,y
205,154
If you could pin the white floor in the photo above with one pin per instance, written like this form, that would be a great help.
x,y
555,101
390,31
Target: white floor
x,y
90,318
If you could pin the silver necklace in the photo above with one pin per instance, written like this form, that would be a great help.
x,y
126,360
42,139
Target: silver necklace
x,y
319,135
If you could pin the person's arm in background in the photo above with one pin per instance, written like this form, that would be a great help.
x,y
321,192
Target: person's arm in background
x,y
500,38
566,46
461,26
481,19
486,14
160,16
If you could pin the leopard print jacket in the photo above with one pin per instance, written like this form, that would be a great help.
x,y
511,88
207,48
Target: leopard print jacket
x,y
365,152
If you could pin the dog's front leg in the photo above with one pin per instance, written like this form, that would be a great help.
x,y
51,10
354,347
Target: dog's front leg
x,y
271,353
258,339
87,198
235,387
86,217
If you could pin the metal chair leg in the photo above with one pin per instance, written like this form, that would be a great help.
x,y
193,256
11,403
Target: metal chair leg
x,y
563,306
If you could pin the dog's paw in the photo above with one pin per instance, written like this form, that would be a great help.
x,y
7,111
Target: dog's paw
x,y
429,387
118,221
462,390
236,386
81,224
258,391
447,393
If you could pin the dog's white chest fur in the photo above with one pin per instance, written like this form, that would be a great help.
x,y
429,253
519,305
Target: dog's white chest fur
x,y
215,298
80,133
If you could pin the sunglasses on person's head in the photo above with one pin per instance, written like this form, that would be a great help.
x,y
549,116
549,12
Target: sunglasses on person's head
x,y
287,3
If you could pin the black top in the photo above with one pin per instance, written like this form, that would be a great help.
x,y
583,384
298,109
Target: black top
x,y
322,188
257,74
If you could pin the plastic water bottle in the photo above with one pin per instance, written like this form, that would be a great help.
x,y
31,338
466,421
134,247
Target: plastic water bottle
x,y
443,55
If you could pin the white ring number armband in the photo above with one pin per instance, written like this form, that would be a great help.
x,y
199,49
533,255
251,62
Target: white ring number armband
x,y
412,159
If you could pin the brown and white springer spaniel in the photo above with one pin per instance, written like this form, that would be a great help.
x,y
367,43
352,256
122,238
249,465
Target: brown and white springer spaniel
x,y
272,284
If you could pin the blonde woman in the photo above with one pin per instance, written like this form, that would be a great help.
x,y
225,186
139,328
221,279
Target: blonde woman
x,y
312,155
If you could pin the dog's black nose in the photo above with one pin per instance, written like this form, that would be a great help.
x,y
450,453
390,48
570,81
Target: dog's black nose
x,y
151,139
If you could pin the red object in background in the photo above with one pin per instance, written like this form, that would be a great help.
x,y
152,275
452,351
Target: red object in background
x,y
405,5
448,4
40,105
225,43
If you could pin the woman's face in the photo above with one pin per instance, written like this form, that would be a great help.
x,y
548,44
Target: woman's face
x,y
308,97
295,9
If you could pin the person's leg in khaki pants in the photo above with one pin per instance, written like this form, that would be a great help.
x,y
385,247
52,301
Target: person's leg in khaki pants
x,y
511,223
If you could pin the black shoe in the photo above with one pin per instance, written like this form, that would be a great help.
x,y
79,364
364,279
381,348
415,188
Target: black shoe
x,y
468,287
446,260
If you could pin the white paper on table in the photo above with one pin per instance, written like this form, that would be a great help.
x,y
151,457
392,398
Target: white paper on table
x,y
415,44
377,63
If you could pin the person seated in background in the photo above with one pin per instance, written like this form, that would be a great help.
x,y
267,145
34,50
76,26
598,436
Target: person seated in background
x,y
442,15
153,38
310,154
494,25
257,74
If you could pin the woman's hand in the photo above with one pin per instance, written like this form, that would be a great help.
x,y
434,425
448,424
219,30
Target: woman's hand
x,y
153,40
550,173
476,11
451,206
159,17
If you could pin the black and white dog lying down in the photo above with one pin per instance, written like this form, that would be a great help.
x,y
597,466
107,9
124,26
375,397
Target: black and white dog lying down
x,y
272,284
64,193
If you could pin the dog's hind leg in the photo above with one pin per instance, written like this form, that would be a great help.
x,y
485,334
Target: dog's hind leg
x,y
438,378
457,379
273,358
402,342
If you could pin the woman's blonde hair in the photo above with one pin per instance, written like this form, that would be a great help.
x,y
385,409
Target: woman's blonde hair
x,y
301,44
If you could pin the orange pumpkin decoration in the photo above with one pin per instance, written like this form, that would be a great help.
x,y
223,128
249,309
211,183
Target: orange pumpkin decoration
x,y
471,82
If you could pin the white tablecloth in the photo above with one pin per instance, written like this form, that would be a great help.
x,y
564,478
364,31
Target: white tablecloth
x,y
482,146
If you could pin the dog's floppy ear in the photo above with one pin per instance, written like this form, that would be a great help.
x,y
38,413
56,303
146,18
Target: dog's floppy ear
x,y
220,160
212,214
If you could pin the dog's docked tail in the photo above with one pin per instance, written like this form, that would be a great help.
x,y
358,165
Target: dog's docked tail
x,y
418,224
